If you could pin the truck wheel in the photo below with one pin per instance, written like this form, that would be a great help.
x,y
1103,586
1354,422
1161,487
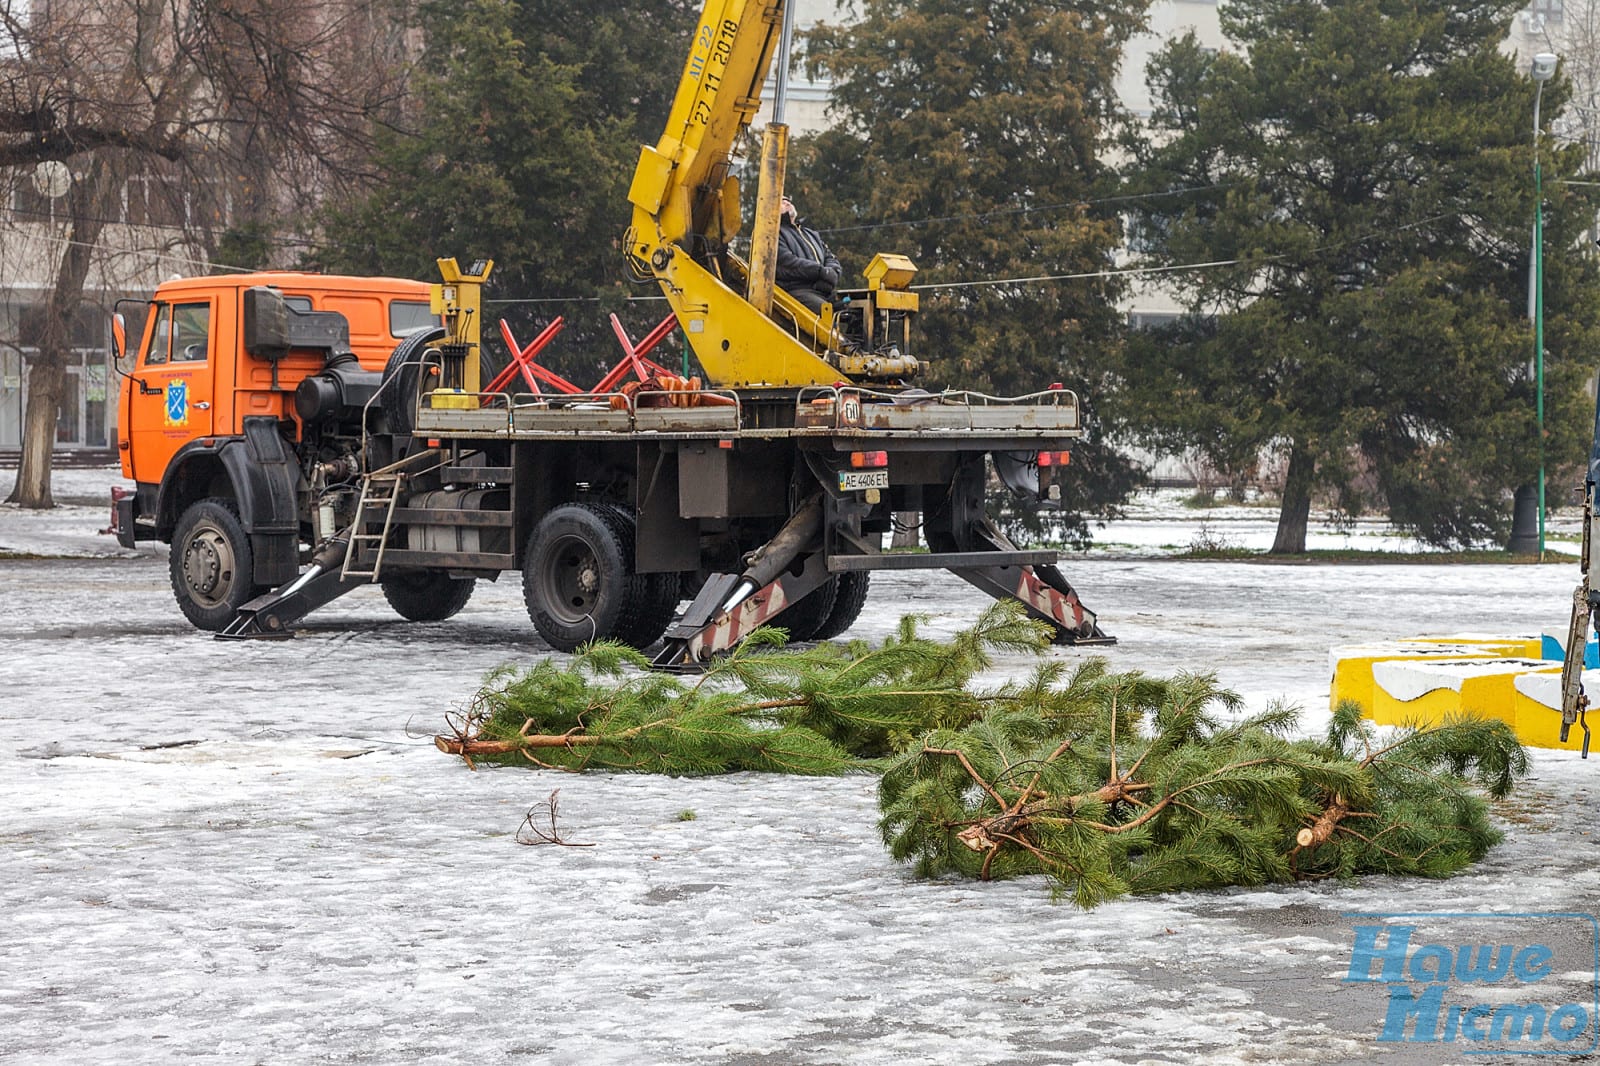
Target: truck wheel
x,y
212,565
806,618
847,604
658,597
577,577
427,595
660,608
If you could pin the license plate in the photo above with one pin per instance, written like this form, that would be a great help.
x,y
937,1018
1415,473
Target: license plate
x,y
858,480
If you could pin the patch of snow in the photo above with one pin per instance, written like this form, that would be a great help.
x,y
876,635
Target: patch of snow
x,y
71,529
252,852
1407,680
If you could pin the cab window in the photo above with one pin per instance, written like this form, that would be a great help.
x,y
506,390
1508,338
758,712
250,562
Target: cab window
x,y
181,334
160,337
408,316
191,331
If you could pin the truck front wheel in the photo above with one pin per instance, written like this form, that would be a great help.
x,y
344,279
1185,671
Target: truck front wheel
x,y
427,595
578,580
212,566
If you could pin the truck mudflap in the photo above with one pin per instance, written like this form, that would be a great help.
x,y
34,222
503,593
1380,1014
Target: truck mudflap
x,y
123,517
265,478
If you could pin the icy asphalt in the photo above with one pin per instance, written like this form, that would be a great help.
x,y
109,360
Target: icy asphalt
x,y
252,853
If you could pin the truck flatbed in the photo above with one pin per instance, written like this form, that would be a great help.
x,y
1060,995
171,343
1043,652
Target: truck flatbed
x,y
973,419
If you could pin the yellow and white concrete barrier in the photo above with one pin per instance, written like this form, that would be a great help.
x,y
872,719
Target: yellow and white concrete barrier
x,y
1423,680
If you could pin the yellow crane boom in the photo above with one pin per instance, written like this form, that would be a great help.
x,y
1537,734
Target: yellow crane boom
x,y
686,212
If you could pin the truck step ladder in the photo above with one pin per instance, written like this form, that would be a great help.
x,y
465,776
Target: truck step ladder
x,y
380,491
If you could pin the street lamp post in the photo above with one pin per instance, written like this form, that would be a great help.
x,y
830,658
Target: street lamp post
x,y
1542,70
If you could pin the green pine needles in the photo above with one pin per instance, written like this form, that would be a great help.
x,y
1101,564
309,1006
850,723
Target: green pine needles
x,y
827,709
1140,787
1106,783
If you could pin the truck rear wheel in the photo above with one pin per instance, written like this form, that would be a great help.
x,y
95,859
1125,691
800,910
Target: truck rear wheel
x,y
806,618
578,580
212,565
658,608
427,595
658,593
847,603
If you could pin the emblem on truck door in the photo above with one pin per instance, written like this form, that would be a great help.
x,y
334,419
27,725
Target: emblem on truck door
x,y
177,413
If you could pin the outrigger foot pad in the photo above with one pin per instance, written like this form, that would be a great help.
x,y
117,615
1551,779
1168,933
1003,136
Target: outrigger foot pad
x,y
270,616
249,624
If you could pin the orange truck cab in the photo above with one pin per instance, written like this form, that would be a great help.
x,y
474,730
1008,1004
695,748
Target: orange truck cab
x,y
246,394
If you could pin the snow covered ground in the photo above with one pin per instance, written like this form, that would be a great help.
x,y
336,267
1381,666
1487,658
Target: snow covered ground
x,y
248,853
72,528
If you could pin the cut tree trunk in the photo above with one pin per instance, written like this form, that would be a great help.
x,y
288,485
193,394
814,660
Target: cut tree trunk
x,y
89,204
1295,514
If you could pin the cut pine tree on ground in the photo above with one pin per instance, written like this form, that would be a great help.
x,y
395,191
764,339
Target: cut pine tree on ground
x,y
1106,783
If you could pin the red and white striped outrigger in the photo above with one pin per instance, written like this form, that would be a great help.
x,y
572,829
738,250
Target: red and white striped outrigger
x,y
732,606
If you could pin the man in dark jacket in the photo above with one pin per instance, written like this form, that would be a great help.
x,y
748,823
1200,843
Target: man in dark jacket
x,y
807,270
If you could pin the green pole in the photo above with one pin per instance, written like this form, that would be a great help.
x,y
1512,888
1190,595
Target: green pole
x,y
1542,69
1538,332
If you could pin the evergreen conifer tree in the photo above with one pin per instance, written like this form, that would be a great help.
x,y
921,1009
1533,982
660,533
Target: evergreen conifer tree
x,y
1357,180
972,137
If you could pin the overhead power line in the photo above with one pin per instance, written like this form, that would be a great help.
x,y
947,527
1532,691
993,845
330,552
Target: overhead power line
x,y
1128,271
1003,212
1119,272
159,257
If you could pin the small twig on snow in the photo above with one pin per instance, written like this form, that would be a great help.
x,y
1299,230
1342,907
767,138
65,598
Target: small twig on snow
x,y
533,830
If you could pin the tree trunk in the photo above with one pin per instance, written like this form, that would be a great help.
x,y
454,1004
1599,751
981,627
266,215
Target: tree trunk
x,y
906,530
89,203
46,378
1524,521
1296,511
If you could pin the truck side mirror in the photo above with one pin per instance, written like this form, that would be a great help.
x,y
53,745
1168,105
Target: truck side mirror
x,y
266,323
119,335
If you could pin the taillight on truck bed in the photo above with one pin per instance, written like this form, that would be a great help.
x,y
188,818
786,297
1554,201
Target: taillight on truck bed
x,y
1054,458
868,460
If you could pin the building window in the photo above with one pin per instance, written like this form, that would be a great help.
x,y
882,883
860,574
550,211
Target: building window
x,y
154,200
31,205
87,409
161,195
1152,319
